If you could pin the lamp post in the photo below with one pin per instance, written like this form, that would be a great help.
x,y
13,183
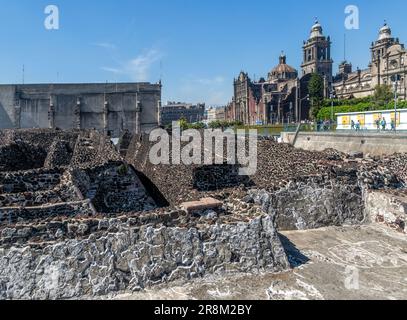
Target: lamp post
x,y
301,100
332,97
395,78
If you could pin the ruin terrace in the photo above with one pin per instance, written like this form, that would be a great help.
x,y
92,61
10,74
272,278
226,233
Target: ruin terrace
x,y
81,217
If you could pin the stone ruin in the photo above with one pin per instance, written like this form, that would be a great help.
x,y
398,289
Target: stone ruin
x,y
80,217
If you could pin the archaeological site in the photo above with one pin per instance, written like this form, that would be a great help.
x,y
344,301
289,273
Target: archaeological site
x,y
83,218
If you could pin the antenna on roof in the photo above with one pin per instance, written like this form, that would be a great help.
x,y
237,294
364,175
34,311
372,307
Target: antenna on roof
x,y
23,73
161,70
344,47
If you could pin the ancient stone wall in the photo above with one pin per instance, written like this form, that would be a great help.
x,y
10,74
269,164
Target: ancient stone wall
x,y
11,215
30,180
21,156
387,208
135,258
310,205
113,188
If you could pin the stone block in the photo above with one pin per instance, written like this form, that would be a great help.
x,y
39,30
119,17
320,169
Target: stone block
x,y
203,204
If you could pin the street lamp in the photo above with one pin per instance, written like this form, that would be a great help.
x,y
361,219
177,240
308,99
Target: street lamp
x,y
332,97
395,78
301,100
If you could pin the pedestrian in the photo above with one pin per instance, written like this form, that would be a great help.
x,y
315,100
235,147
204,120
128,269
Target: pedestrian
x,y
393,125
384,124
358,125
378,125
352,125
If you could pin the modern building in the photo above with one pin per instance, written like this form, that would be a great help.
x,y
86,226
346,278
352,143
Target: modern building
x,y
388,59
215,114
109,108
174,111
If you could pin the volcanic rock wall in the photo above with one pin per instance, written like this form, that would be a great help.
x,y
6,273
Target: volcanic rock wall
x,y
77,225
179,182
388,208
136,256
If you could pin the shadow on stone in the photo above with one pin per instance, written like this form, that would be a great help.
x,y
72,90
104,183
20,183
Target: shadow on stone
x,y
295,257
152,190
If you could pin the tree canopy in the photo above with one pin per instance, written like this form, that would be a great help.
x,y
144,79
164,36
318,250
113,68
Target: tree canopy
x,y
316,94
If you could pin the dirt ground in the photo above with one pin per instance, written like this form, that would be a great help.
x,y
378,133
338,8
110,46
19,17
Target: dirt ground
x,y
345,263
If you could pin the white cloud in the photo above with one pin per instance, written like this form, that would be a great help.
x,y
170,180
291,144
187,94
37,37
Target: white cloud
x,y
112,70
138,68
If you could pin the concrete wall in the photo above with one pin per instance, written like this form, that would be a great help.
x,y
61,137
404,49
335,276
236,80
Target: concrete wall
x,y
81,106
372,143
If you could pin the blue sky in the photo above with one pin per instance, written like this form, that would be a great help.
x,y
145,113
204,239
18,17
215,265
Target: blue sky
x,y
200,45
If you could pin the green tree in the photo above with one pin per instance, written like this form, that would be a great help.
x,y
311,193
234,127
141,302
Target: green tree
x,y
183,124
383,95
316,94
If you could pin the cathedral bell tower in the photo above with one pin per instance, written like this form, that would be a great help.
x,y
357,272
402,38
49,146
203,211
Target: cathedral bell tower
x,y
317,55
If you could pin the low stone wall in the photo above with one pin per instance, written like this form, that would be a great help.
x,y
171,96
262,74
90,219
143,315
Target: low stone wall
x,y
30,181
371,143
21,156
59,154
12,215
34,199
135,258
113,188
387,208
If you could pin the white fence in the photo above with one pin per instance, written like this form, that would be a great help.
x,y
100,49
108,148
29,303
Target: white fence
x,y
368,120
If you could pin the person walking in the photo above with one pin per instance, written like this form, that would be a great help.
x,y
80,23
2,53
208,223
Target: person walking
x,y
378,125
358,125
352,125
393,125
384,124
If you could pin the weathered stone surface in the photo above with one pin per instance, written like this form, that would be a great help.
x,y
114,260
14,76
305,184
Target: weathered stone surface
x,y
308,205
203,204
134,259
387,208
88,224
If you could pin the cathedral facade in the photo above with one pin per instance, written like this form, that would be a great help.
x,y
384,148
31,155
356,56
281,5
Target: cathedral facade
x,y
282,96
388,62
262,102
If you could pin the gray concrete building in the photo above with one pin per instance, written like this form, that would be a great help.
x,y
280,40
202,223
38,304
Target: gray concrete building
x,y
109,108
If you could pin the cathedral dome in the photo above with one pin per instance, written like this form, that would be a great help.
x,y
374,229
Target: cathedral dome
x,y
316,30
385,32
283,71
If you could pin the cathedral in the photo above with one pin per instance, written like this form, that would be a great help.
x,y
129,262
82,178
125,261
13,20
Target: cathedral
x,y
261,102
388,60
283,96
